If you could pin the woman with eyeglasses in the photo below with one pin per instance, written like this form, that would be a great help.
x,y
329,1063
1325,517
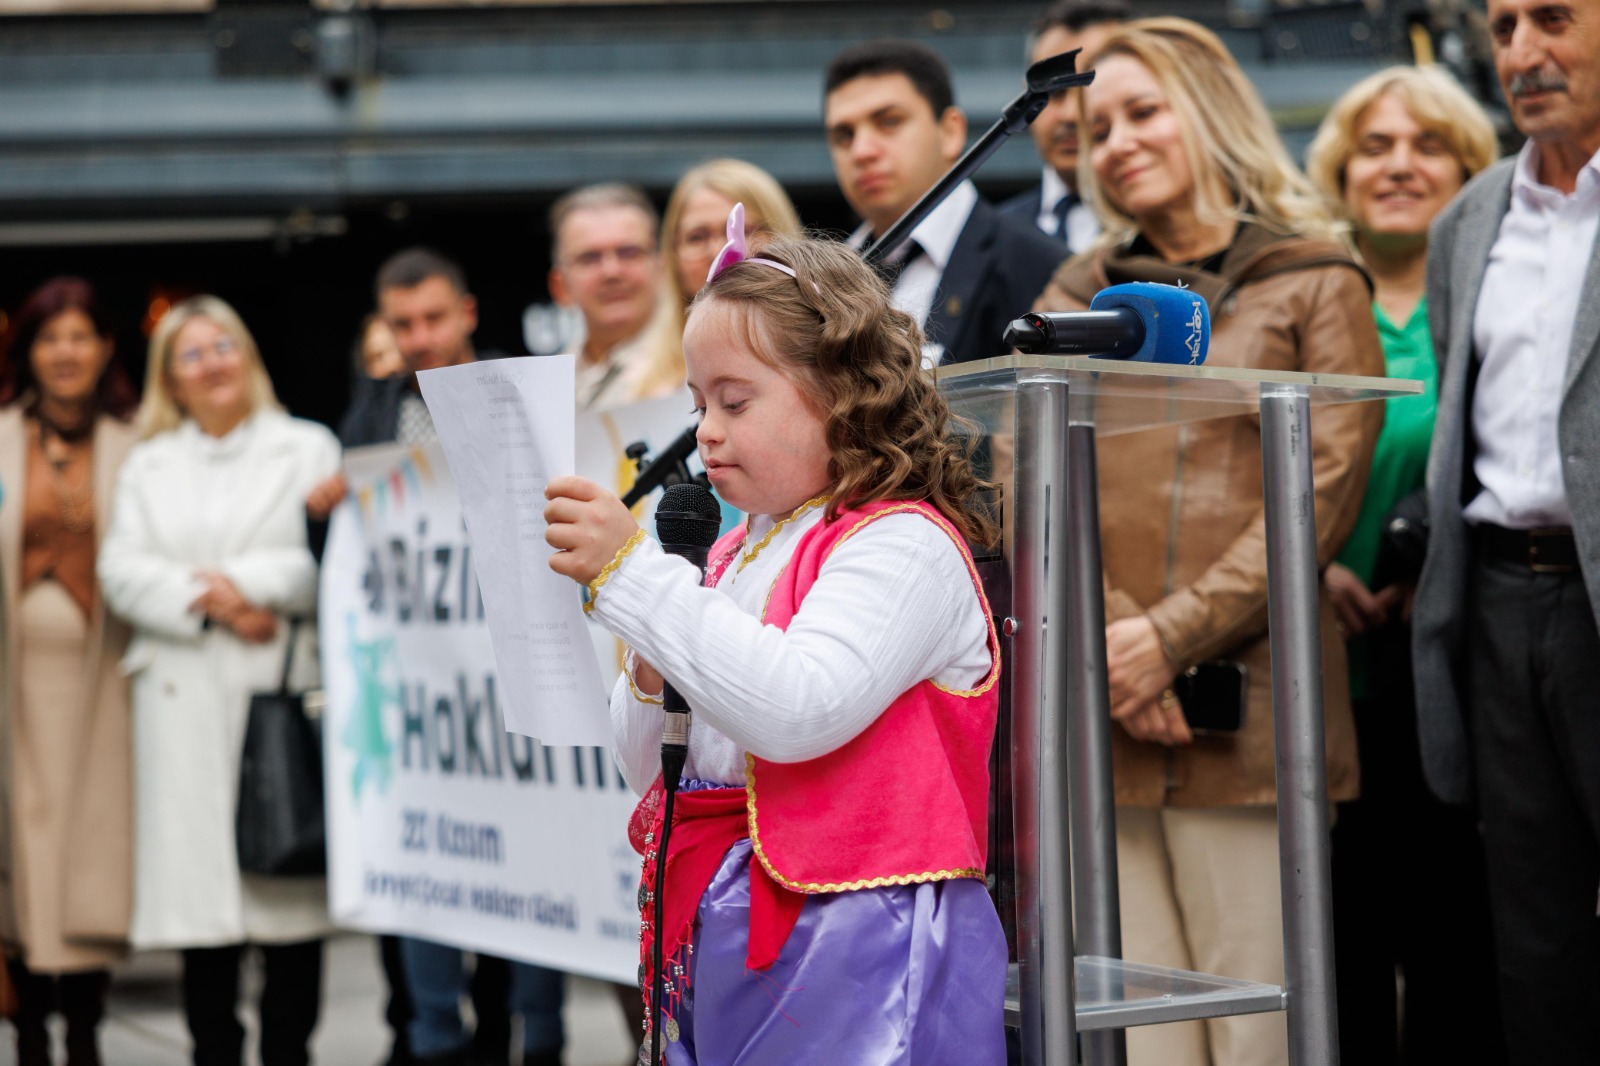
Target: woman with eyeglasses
x,y
64,764
1193,187
692,230
207,560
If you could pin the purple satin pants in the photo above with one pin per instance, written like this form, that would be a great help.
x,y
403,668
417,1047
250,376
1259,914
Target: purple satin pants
x,y
911,975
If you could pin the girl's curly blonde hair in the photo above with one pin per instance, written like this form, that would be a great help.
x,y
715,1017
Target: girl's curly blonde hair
x,y
858,362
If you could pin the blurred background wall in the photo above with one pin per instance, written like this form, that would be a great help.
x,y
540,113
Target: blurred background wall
x,y
275,151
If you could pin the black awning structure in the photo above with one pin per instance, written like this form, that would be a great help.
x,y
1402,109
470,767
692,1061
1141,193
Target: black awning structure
x,y
277,106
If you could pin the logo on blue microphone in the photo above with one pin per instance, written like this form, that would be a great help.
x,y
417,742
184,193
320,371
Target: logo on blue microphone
x,y
1195,342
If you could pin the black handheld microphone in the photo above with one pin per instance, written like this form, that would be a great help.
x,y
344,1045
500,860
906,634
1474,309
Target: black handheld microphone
x,y
687,520
1116,334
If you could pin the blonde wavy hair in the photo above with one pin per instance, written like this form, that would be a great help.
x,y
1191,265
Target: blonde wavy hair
x,y
1435,100
1228,136
767,209
159,410
858,363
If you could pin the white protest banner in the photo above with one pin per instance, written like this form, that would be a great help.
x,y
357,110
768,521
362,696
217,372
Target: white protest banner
x,y
440,823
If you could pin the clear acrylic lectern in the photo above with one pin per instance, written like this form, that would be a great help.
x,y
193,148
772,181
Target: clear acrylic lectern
x,y
1038,417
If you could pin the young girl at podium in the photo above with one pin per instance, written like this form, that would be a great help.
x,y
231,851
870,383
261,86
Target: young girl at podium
x,y
827,901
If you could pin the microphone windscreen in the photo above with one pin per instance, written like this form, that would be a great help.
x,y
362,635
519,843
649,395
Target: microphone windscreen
x,y
688,514
1177,323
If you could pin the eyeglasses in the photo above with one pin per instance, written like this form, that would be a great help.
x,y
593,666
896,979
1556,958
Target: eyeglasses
x,y
626,255
223,348
700,241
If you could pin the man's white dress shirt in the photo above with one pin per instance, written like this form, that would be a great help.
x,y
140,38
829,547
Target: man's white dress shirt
x,y
1522,335
1082,226
615,380
918,284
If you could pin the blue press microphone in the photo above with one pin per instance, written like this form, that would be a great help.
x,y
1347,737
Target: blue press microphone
x,y
1140,321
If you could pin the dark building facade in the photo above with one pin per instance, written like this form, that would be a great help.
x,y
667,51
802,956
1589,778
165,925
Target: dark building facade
x,y
274,151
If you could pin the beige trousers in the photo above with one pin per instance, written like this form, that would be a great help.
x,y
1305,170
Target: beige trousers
x,y
47,746
1199,891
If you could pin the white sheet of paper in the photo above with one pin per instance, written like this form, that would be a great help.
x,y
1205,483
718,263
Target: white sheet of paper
x,y
506,426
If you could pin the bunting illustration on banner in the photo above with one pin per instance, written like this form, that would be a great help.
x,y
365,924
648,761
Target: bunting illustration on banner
x,y
412,472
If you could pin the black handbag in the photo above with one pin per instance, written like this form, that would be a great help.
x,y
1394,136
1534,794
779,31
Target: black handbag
x,y
279,825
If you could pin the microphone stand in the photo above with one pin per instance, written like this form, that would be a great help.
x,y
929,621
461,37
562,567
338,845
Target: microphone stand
x,y
1044,79
671,467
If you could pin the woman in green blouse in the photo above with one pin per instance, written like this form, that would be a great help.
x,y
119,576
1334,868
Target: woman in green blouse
x,y
1408,883
1392,152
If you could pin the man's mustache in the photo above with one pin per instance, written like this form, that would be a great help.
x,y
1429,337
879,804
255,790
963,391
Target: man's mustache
x,y
1537,82
1063,131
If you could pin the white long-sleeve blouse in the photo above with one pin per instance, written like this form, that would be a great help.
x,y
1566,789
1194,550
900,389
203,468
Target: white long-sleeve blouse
x,y
893,605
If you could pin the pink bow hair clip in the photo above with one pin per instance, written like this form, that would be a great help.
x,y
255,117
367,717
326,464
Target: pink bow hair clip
x,y
735,252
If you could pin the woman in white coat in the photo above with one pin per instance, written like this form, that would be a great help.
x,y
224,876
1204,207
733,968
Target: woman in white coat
x,y
206,559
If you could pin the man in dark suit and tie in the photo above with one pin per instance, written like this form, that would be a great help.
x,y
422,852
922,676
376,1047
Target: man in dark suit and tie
x,y
893,130
1053,205
1506,639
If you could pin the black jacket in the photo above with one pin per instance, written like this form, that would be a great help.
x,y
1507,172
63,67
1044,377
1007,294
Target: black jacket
x,y
374,413
1024,207
996,272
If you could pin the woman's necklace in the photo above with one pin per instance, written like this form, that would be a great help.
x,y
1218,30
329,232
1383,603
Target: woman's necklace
x,y
746,558
74,432
77,504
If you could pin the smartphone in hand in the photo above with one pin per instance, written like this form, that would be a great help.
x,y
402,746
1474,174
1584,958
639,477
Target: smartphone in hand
x,y
1213,695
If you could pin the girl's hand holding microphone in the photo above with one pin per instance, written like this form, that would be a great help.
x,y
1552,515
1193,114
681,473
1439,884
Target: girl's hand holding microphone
x,y
587,527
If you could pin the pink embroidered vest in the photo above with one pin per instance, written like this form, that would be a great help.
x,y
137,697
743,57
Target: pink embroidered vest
x,y
906,801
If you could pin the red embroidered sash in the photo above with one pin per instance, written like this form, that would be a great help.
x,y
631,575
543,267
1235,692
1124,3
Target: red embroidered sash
x,y
705,824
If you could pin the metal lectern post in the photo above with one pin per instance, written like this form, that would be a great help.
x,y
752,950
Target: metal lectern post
x,y
1296,641
1043,863
1096,908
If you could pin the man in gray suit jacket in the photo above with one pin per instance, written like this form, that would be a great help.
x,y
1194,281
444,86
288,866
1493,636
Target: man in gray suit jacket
x,y
1507,651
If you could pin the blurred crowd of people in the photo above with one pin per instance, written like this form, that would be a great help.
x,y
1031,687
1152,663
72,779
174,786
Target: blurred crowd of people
x,y
155,547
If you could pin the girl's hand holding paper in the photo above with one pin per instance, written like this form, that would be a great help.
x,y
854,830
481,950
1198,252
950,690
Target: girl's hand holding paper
x,y
587,526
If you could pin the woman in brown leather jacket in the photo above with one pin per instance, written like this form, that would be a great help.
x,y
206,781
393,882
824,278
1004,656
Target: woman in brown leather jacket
x,y
1192,186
